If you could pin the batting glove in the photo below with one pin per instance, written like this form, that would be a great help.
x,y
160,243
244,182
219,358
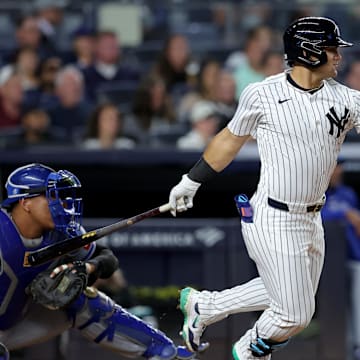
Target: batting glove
x,y
181,196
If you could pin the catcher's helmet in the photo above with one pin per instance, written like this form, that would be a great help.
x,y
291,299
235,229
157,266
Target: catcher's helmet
x,y
26,181
60,188
306,37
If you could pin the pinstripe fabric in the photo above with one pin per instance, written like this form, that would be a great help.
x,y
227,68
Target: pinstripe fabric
x,y
289,252
296,150
299,136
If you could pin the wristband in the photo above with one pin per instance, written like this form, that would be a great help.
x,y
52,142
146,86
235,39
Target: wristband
x,y
202,172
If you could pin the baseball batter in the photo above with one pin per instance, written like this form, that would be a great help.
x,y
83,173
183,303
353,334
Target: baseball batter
x,y
299,119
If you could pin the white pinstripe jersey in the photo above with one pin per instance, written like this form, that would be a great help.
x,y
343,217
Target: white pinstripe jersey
x,y
299,134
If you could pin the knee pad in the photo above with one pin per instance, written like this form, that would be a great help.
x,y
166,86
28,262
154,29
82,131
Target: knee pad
x,y
264,347
4,353
99,318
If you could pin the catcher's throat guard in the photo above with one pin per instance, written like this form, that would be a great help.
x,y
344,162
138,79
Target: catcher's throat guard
x,y
65,204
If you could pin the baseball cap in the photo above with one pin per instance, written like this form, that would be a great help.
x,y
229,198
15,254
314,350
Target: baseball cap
x,y
202,110
83,31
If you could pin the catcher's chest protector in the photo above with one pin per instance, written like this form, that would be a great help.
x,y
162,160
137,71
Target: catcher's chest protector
x,y
14,278
100,319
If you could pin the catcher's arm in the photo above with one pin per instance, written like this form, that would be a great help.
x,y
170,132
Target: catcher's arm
x,y
57,288
88,268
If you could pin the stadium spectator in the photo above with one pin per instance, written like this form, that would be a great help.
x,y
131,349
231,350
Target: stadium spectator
x,y
273,63
204,125
49,14
108,70
152,111
36,126
44,97
35,131
172,64
27,35
255,14
11,97
70,109
105,129
26,65
225,97
205,88
342,204
246,65
83,46
27,32
352,76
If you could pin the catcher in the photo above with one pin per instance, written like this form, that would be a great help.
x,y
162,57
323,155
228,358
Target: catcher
x,y
38,303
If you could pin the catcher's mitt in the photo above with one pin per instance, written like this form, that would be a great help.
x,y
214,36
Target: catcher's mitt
x,y
61,290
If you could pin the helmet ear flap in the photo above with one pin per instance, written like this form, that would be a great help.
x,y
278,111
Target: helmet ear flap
x,y
311,55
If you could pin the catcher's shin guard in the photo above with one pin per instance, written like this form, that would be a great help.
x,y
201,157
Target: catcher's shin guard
x,y
4,353
100,319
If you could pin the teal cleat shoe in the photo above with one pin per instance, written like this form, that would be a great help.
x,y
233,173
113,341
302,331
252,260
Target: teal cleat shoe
x,y
193,327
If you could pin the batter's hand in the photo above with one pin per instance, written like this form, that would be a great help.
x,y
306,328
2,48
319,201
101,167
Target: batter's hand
x,y
181,196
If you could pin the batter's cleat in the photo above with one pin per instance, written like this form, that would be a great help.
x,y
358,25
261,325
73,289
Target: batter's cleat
x,y
259,349
236,351
193,328
4,353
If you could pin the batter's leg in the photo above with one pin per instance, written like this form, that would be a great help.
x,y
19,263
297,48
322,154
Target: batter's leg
x,y
203,308
288,250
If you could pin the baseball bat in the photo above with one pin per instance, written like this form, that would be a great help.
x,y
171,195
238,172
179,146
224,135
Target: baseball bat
x,y
53,251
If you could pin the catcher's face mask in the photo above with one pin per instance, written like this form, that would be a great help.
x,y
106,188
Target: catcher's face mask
x,y
65,203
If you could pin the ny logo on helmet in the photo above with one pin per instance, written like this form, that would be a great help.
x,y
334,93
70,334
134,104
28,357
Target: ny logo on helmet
x,y
339,122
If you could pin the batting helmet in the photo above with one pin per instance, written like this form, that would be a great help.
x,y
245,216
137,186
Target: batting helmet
x,y
305,39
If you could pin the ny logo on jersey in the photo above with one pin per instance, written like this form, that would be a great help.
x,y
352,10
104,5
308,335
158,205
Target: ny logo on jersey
x,y
336,121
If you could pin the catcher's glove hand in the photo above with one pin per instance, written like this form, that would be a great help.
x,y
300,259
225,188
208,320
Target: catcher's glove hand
x,y
60,289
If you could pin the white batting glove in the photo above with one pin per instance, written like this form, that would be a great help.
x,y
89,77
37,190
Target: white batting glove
x,y
181,195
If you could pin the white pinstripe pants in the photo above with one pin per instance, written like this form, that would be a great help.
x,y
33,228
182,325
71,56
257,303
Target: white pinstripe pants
x,y
288,250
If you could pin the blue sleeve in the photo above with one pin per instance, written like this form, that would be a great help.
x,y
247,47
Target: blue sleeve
x,y
339,202
331,214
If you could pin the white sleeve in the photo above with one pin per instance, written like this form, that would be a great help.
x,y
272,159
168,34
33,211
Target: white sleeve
x,y
356,99
248,112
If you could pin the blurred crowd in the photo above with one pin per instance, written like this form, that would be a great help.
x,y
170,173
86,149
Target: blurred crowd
x,y
100,95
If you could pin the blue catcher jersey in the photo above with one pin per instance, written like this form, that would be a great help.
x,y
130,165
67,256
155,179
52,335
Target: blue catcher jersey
x,y
338,201
14,277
